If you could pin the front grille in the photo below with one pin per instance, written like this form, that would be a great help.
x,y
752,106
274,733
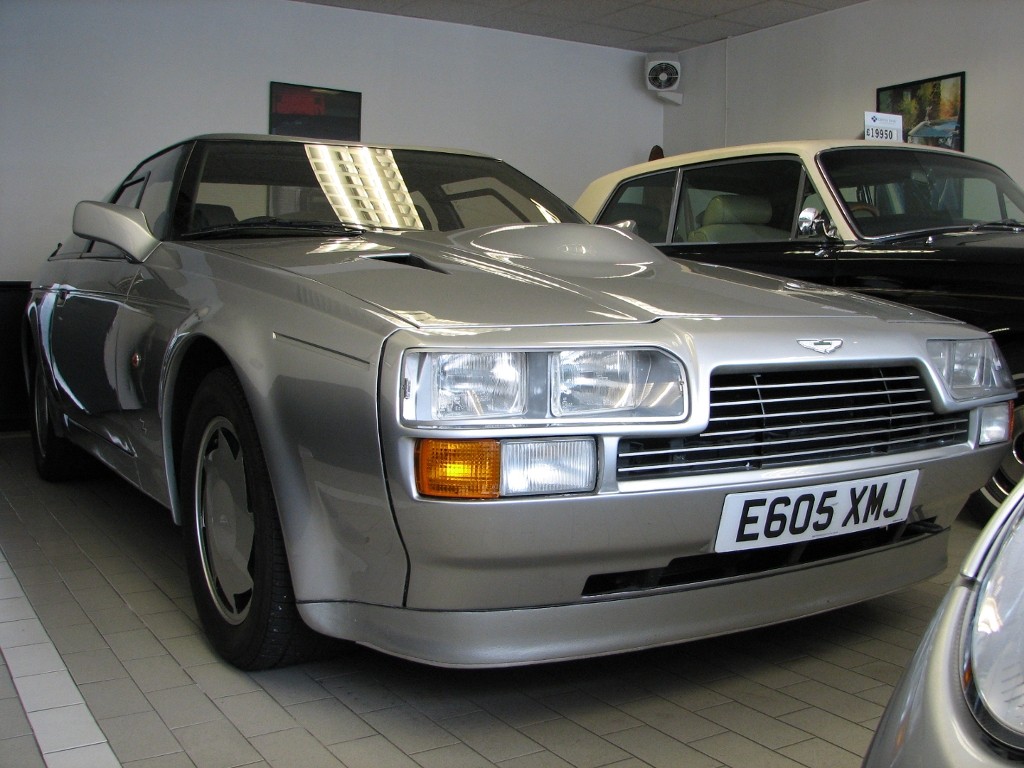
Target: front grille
x,y
783,418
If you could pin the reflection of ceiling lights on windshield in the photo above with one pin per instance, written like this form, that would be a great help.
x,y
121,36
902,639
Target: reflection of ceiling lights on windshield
x,y
548,215
364,186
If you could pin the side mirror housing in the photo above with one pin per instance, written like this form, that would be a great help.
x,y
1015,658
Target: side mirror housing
x,y
812,223
118,225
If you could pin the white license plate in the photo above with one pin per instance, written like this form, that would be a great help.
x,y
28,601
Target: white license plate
x,y
772,518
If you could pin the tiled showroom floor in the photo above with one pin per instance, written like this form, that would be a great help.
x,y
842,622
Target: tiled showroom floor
x,y
106,666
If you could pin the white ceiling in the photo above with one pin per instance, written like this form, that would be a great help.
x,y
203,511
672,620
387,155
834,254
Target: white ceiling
x,y
633,25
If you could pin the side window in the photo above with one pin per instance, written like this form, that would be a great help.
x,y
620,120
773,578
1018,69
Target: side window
x,y
983,201
147,188
161,173
739,201
129,194
647,200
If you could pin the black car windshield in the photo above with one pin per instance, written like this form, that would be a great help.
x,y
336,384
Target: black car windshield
x,y
895,192
236,188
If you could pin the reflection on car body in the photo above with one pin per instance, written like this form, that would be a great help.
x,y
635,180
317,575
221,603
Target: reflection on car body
x,y
958,702
937,133
930,228
406,397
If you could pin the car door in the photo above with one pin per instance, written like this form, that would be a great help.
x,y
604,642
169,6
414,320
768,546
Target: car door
x,y
740,212
95,320
81,313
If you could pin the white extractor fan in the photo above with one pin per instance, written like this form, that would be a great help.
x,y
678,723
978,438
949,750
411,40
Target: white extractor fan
x,y
662,72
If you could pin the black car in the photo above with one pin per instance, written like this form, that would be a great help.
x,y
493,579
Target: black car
x,y
931,228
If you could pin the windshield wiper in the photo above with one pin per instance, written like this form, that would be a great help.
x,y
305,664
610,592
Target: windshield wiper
x,y
1005,225
1011,225
268,226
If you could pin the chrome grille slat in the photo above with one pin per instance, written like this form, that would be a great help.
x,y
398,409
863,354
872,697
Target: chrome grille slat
x,y
748,430
820,396
954,428
780,459
776,419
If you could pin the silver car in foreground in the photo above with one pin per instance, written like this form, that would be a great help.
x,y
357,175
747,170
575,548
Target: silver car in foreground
x,y
406,397
960,703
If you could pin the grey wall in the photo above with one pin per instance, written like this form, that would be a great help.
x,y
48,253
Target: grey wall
x,y
89,87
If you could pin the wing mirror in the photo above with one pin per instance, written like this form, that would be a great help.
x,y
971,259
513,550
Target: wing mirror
x,y
118,225
813,223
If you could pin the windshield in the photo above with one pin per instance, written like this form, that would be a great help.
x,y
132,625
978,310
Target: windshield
x,y
248,188
890,192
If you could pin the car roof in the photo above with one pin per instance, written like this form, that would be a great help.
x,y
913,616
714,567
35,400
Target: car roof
x,y
598,190
807,148
329,142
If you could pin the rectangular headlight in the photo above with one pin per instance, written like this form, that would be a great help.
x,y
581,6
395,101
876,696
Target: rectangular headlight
x,y
970,368
470,385
594,381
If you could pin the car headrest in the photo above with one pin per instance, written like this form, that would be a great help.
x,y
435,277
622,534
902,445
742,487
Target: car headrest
x,y
738,209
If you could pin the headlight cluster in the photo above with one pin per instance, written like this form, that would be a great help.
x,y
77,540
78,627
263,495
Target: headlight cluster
x,y
993,671
528,387
472,388
970,368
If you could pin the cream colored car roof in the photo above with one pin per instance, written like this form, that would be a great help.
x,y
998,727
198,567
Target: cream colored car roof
x,y
597,192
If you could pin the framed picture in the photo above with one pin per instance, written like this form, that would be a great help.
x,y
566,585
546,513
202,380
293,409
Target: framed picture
x,y
933,110
315,113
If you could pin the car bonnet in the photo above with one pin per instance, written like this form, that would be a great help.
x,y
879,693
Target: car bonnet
x,y
547,275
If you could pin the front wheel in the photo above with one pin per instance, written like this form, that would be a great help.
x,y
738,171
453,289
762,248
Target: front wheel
x,y
235,549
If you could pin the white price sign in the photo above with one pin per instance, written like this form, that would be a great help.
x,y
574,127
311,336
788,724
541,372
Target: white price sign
x,y
878,126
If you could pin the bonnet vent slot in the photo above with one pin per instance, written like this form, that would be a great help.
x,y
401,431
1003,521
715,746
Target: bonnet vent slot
x,y
407,260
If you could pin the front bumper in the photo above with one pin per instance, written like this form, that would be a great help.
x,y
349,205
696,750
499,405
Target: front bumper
x,y
507,637
527,553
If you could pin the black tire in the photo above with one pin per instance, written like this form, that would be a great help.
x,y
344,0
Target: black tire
x,y
235,550
56,458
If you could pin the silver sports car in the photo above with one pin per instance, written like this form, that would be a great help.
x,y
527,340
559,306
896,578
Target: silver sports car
x,y
406,397
959,702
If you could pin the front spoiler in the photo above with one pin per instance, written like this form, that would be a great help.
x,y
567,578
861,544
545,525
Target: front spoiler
x,y
517,636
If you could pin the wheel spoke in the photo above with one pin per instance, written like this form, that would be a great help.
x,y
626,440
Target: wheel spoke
x,y
227,523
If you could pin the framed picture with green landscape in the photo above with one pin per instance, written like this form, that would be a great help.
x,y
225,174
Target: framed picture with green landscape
x,y
932,109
